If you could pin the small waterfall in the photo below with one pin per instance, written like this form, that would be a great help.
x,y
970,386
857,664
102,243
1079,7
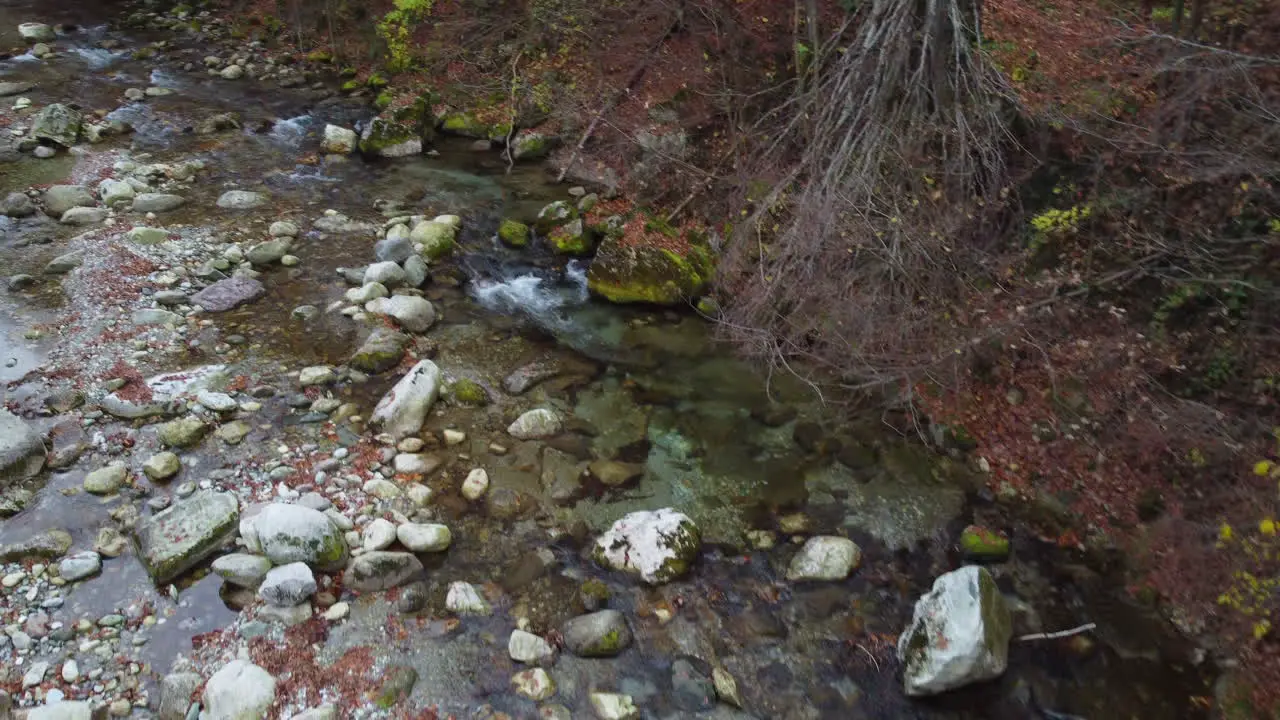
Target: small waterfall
x,y
535,295
292,131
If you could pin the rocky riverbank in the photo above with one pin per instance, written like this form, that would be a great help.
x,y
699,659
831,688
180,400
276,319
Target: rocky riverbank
x,y
289,433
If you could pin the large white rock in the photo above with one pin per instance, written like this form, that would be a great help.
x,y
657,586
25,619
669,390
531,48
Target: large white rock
x,y
339,140
293,533
464,599
526,647
535,425
378,535
404,408
658,545
37,32
411,312
959,634
238,691
424,537
288,585
825,557
387,273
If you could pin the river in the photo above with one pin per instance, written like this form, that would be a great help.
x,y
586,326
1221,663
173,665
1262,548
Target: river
x,y
735,449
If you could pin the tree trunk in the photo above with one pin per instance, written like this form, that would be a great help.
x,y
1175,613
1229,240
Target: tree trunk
x,y
1197,17
1179,6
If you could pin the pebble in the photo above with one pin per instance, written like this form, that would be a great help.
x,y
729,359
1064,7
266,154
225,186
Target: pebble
x,y
337,611
476,484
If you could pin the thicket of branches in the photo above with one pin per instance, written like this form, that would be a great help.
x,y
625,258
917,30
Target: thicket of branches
x,y
897,154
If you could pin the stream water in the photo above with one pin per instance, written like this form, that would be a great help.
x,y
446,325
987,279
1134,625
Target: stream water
x,y
735,449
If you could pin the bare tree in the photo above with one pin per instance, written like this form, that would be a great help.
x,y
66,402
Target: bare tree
x,y
895,156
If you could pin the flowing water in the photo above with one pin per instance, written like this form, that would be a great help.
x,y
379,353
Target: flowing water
x,y
735,449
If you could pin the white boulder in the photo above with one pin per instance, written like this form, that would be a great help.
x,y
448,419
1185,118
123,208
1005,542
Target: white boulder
x,y
238,691
339,140
658,545
404,408
959,634
825,557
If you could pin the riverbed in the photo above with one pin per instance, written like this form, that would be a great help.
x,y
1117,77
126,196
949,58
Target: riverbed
x,y
755,459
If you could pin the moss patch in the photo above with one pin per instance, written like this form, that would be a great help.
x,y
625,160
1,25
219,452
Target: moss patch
x,y
467,392
979,542
513,234
630,274
571,239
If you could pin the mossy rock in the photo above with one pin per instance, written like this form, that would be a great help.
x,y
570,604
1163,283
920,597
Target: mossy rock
x,y
376,81
532,146
437,239
553,215
466,125
385,135
396,685
980,543
513,233
383,101
571,239
464,391
624,273
320,56
351,86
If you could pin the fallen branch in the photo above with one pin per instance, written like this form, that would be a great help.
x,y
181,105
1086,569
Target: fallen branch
x,y
1060,634
515,112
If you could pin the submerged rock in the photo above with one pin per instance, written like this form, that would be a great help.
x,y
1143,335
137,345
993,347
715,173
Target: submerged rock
x,y
959,634
47,545
825,558
659,545
599,634
403,410
535,425
79,566
526,647
380,570
613,706
177,538
22,453
182,432
239,690
106,480
157,202
241,200
513,234
464,599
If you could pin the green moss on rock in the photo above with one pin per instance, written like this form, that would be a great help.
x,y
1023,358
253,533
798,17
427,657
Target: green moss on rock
x,y
513,234
465,391
467,125
624,273
979,542
571,239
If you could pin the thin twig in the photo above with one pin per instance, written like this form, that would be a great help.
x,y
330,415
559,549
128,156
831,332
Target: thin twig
x,y
1060,634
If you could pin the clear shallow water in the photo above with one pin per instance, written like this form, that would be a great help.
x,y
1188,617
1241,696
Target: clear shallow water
x,y
640,386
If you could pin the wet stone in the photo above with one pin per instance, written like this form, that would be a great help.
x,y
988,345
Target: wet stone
x,y
242,569
287,585
599,634
691,685
464,599
79,566
162,466
396,685
175,540
381,570
525,647
106,480
228,294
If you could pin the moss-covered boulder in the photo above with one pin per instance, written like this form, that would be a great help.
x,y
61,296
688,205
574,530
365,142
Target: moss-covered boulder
x,y
293,533
572,238
401,128
513,233
469,125
530,145
381,351
177,538
436,238
554,215
623,272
